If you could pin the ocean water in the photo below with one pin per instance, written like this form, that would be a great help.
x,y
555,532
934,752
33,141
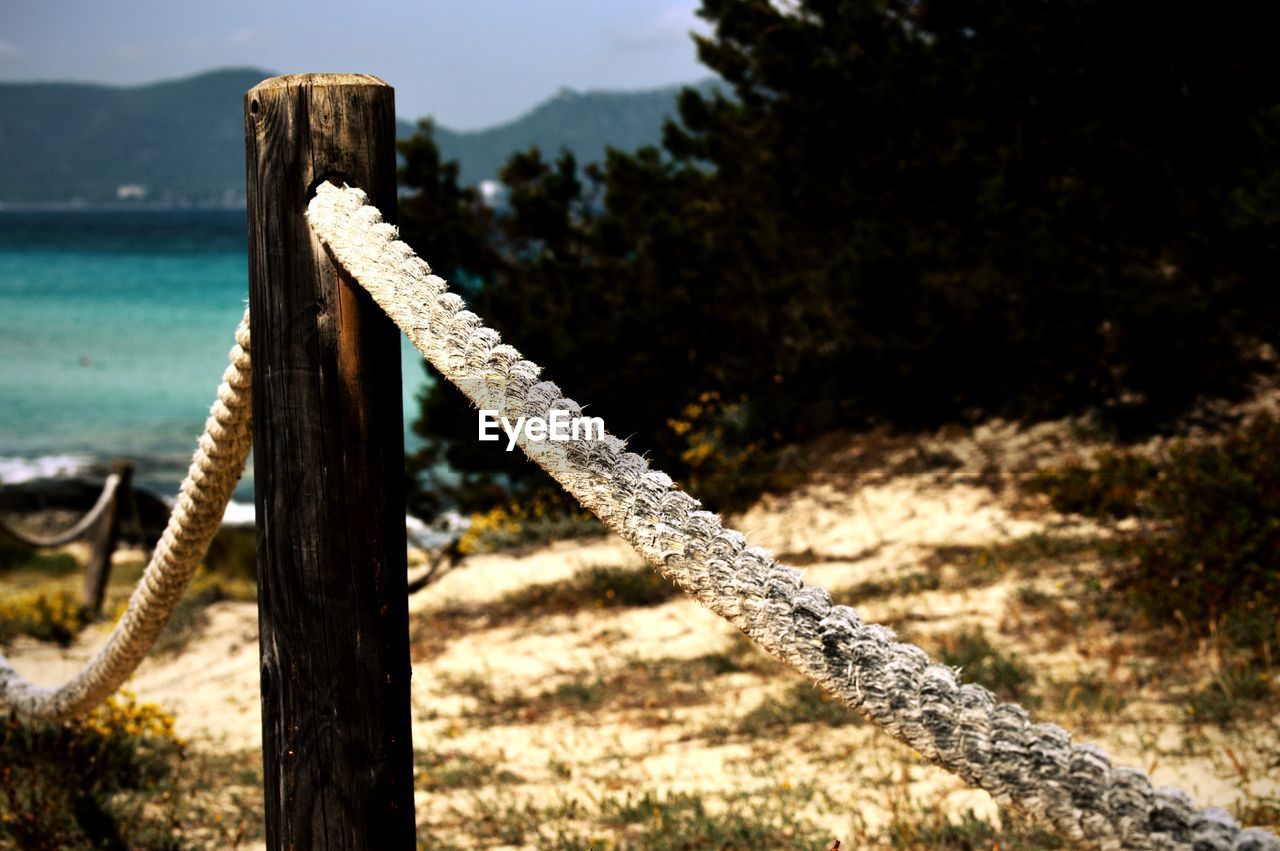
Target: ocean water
x,y
114,331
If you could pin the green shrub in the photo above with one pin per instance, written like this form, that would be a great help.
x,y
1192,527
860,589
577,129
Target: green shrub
x,y
1114,487
1213,560
233,553
1209,559
15,556
539,519
1034,598
45,615
883,212
12,554
101,781
619,586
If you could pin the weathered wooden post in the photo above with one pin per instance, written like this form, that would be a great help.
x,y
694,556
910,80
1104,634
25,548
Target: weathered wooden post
x,y
105,538
328,446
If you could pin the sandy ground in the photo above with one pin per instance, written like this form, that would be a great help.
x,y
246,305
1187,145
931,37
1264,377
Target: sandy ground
x,y
880,510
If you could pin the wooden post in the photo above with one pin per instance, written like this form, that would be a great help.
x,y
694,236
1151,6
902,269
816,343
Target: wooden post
x,y
105,538
328,445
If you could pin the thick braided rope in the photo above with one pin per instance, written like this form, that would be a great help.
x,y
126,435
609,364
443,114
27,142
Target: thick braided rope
x,y
215,468
84,524
961,727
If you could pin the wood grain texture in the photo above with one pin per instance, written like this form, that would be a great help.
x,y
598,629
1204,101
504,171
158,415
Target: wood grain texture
x,y
329,480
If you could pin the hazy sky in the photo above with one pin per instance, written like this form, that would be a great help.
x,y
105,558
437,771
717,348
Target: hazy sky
x,y
470,63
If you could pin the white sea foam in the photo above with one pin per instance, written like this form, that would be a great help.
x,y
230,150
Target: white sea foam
x,y
15,470
239,514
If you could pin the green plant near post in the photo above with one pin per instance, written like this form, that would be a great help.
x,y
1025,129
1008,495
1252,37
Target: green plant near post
x,y
106,780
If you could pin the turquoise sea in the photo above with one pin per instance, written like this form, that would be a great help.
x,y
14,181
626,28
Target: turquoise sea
x,y
114,331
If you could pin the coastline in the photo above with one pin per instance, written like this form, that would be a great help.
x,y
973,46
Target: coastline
x,y
83,206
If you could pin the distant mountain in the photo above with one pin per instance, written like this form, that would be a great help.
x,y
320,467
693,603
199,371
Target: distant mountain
x,y
182,141
582,122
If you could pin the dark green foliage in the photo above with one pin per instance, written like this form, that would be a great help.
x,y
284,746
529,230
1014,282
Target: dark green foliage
x,y
184,139
613,586
1214,560
15,556
894,210
1090,692
583,122
88,783
1112,487
1209,559
36,604
1034,598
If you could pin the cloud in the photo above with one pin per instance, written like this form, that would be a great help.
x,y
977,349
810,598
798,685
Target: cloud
x,y
10,53
670,28
244,36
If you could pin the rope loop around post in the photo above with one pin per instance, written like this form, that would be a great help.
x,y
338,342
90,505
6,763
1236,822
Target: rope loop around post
x,y
961,727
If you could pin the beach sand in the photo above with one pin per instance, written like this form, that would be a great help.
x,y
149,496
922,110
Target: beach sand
x,y
884,512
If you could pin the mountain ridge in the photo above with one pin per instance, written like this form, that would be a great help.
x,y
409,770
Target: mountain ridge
x,y
181,141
